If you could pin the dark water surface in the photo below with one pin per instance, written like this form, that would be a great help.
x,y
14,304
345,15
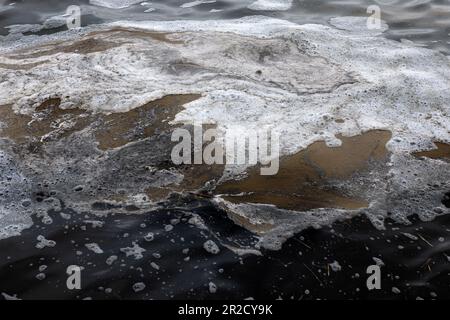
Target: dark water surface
x,y
425,22
412,267
415,258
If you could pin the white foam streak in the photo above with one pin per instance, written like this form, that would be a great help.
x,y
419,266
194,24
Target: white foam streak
x,y
114,4
271,5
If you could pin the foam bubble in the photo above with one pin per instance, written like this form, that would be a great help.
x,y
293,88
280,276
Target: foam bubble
x,y
134,251
138,287
196,3
271,5
94,247
211,247
114,4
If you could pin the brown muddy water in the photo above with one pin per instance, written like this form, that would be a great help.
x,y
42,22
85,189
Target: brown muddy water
x,y
301,183
442,151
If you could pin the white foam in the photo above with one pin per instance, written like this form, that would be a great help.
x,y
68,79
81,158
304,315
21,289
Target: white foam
x,y
242,251
94,247
335,266
44,243
212,287
211,247
49,23
111,259
114,4
196,3
135,251
10,297
271,5
259,26
138,287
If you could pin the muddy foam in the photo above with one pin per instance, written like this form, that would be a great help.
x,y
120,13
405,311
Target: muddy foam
x,y
309,83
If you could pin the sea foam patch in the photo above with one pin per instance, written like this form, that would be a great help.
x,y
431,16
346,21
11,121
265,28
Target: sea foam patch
x,y
114,4
271,5
259,73
196,3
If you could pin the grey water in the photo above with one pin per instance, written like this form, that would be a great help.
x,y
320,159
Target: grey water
x,y
426,22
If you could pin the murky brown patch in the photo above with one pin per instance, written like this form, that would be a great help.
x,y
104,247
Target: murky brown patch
x,y
138,33
12,125
85,46
301,183
119,129
245,222
26,66
301,200
50,122
351,156
194,176
158,194
442,152
49,118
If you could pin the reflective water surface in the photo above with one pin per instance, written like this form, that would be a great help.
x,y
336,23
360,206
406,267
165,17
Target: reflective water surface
x,y
422,21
